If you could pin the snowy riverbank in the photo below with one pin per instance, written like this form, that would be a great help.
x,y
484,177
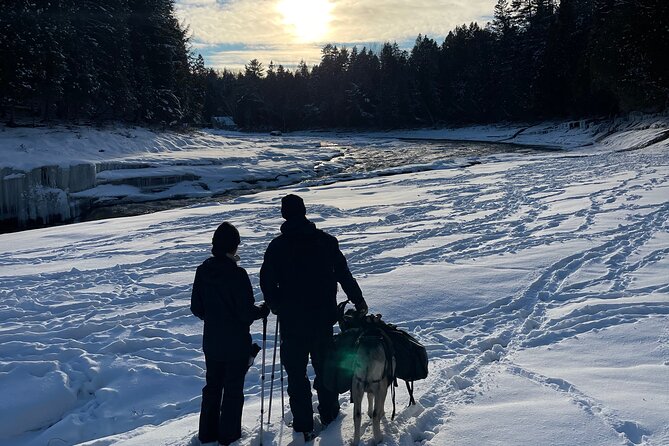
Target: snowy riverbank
x,y
626,133
58,174
538,282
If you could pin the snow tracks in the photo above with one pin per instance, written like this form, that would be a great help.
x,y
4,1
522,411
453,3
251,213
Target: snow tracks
x,y
504,269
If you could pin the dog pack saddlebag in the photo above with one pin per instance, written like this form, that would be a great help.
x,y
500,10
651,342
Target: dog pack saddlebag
x,y
338,370
410,359
410,355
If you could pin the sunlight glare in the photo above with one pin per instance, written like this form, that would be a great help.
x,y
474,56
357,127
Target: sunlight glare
x,y
308,19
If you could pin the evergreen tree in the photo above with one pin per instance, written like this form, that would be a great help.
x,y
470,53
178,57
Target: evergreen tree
x,y
468,84
564,83
197,90
250,108
505,83
503,23
328,81
254,71
424,62
160,59
395,105
362,76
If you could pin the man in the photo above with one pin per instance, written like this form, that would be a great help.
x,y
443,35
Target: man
x,y
298,278
223,298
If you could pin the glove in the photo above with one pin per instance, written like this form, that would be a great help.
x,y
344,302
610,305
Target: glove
x,y
361,308
264,310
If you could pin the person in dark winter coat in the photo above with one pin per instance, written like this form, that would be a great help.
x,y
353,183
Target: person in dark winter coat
x,y
223,298
298,278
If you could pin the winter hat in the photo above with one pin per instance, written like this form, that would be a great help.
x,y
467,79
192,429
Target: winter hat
x,y
292,206
226,238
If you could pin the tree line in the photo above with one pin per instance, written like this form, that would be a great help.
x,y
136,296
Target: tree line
x,y
536,59
129,60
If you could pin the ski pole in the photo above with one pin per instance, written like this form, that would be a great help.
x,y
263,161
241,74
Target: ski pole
x,y
283,407
271,379
262,377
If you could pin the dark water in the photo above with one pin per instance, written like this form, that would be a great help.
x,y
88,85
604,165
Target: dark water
x,y
357,158
378,156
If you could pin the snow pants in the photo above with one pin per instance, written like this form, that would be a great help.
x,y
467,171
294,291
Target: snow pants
x,y
295,353
221,418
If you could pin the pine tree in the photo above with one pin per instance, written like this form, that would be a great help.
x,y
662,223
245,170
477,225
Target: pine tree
x,y
328,80
503,19
197,90
424,62
250,108
160,60
564,83
468,74
395,105
362,79
254,71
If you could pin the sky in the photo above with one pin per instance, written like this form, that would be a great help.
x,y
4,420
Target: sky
x,y
229,33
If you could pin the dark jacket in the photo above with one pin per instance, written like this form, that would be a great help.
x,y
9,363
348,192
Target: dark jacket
x,y
299,279
223,298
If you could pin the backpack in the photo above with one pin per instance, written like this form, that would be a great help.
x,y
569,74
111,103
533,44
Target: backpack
x,y
410,355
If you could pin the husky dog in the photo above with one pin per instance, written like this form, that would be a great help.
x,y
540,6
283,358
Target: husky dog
x,y
373,371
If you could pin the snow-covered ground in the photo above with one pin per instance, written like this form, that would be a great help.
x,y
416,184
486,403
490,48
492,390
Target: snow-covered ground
x,y
538,282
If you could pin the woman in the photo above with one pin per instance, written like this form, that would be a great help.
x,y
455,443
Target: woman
x,y
223,298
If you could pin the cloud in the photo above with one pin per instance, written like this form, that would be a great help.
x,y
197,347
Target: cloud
x,y
262,29
236,21
397,20
287,55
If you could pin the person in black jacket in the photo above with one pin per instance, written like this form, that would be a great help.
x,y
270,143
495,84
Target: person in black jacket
x,y
223,298
298,278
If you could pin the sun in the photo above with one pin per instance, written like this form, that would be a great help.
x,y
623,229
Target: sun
x,y
308,19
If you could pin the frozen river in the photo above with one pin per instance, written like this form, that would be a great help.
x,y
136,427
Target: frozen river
x,y
68,174
334,159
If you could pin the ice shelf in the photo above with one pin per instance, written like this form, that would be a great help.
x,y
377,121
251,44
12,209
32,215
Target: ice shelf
x,y
42,195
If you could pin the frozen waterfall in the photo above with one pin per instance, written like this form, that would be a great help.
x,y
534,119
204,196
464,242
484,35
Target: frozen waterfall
x,y
42,195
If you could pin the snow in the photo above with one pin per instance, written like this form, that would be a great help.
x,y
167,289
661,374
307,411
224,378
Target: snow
x,y
539,283
625,133
79,165
36,394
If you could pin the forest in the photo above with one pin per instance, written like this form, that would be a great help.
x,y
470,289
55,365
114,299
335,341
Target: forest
x,y
130,60
97,60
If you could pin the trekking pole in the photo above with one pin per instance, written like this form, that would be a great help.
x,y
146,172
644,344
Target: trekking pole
x,y
283,407
262,377
271,379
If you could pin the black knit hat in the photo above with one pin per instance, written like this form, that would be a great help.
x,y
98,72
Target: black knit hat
x,y
226,239
292,206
